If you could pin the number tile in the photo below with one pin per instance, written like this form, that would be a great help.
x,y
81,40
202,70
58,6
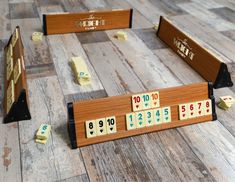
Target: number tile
x,y
183,113
101,126
192,112
111,125
140,122
157,116
166,114
199,108
155,99
146,101
148,117
207,107
130,121
136,102
90,128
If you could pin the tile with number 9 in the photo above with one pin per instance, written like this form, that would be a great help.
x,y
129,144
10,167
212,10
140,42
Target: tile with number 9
x,y
100,126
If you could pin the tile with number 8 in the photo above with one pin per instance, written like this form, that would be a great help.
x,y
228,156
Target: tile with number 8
x,y
148,116
90,128
136,102
166,114
207,107
111,125
100,126
130,121
140,119
155,99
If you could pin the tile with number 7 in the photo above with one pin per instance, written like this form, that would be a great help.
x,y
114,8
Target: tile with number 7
x,y
199,108
100,126
155,99
192,112
146,101
183,113
136,102
166,114
207,107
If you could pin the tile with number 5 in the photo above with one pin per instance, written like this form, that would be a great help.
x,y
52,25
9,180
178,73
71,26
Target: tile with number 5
x,y
166,114
90,128
111,125
183,113
136,102
100,126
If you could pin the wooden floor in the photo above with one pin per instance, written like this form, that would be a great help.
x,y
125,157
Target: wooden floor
x,y
202,152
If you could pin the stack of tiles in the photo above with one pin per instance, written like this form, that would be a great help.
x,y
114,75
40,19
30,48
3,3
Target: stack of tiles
x,y
43,134
37,36
121,35
226,102
79,67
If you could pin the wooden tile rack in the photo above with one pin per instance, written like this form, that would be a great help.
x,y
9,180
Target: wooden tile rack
x,y
16,102
81,112
201,60
88,21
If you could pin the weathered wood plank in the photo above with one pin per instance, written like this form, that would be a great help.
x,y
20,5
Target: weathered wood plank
x,y
81,178
220,168
23,10
217,43
205,15
120,78
37,55
227,3
9,152
225,13
92,37
208,4
55,160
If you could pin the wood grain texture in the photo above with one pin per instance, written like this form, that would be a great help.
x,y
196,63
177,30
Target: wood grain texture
x,y
52,161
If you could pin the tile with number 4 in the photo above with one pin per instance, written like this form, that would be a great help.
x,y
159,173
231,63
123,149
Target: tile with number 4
x,y
183,113
199,108
146,101
148,116
207,107
100,126
157,116
130,121
155,99
192,111
166,114
111,125
90,128
140,123
136,102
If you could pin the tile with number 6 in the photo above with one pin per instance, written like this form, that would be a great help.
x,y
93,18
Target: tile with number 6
x,y
148,116
192,112
207,107
157,116
136,102
111,125
146,101
100,126
130,121
166,114
90,128
155,99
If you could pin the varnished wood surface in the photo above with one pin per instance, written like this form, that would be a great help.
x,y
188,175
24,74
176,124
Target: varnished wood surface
x,y
202,152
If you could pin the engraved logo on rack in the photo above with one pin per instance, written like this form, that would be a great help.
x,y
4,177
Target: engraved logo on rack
x,y
183,48
90,23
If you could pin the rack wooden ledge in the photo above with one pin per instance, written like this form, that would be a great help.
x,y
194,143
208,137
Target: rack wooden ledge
x,y
201,60
119,106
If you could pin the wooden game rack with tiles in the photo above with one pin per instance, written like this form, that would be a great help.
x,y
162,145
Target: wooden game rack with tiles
x,y
210,67
88,21
16,102
175,98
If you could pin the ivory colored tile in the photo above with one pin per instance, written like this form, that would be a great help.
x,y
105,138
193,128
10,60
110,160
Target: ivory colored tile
x,y
199,108
166,114
17,70
43,132
183,113
15,37
90,129
111,124
146,101
130,121
207,107
157,116
140,122
101,126
148,116
41,141
155,99
136,102
192,110
9,68
9,51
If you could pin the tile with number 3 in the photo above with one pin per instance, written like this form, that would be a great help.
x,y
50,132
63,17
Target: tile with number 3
x,y
148,116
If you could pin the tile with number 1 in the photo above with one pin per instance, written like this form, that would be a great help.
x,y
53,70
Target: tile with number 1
x,y
130,121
